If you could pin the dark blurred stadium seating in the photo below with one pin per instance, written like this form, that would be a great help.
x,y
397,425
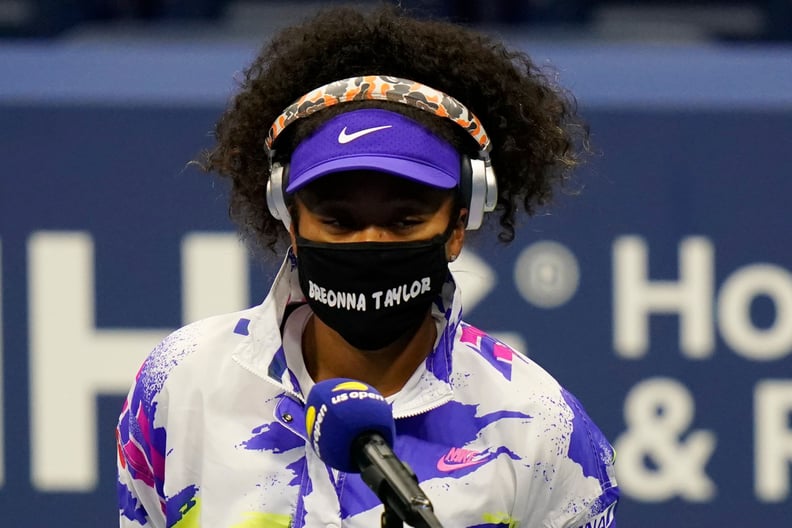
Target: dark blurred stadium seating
x,y
758,20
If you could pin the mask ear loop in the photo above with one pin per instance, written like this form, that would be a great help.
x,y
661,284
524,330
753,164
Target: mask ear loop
x,y
453,222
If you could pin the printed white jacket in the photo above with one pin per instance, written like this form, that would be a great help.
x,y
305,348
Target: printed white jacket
x,y
213,434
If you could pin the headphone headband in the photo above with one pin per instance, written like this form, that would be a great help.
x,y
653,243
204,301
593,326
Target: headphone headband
x,y
381,88
478,183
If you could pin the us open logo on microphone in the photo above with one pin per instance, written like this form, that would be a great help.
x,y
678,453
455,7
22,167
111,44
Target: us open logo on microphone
x,y
348,390
351,385
313,423
354,390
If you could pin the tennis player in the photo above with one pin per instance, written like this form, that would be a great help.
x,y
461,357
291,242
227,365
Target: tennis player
x,y
365,144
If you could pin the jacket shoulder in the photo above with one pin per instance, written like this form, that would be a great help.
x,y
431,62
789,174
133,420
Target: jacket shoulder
x,y
209,336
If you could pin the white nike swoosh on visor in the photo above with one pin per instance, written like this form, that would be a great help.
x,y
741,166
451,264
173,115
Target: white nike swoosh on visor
x,y
343,137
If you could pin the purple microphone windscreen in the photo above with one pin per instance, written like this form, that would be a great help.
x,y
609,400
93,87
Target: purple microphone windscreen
x,y
338,412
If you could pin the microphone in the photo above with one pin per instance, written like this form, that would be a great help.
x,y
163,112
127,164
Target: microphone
x,y
350,426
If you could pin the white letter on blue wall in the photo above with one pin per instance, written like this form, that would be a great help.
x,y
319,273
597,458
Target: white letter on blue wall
x,y
635,297
214,275
734,312
71,361
772,439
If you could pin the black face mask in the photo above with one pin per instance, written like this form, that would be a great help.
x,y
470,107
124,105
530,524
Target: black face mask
x,y
372,293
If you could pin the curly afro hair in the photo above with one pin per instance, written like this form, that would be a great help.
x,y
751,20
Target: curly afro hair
x,y
536,134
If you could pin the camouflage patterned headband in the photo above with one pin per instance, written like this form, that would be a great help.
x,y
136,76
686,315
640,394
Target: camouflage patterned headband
x,y
378,87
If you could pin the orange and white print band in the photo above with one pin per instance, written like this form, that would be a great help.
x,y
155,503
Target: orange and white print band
x,y
381,88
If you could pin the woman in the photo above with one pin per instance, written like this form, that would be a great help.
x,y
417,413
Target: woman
x,y
369,142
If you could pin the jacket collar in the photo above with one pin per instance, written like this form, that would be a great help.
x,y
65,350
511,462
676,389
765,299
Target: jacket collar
x,y
263,355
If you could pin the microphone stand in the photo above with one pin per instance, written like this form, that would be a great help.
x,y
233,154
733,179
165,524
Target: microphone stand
x,y
390,519
422,515
403,500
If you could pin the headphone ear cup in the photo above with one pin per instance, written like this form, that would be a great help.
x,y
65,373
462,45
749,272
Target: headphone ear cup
x,y
491,187
465,185
481,186
478,193
276,201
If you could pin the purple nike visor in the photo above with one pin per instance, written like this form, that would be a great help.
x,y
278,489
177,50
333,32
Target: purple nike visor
x,y
378,140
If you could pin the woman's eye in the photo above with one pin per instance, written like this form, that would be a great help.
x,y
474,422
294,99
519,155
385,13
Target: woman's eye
x,y
407,223
341,225
337,225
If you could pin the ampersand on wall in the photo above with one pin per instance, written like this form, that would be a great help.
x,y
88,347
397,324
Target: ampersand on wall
x,y
658,412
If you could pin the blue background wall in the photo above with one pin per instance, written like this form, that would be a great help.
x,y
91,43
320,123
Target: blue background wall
x,y
695,158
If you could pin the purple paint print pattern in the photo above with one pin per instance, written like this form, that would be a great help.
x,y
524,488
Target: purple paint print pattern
x,y
435,452
588,445
180,505
272,437
141,446
129,506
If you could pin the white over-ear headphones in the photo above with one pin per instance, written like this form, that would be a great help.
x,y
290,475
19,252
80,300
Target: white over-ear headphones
x,y
478,185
